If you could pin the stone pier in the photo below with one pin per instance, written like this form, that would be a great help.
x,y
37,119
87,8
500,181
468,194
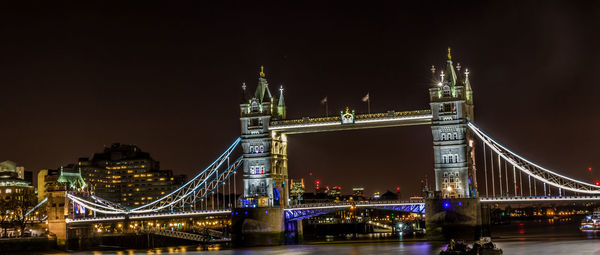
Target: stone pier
x,y
258,226
454,218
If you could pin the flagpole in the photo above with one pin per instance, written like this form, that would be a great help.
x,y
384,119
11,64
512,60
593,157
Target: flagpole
x,y
369,103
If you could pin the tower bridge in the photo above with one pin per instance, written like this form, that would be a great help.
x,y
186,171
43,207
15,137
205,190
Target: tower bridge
x,y
263,211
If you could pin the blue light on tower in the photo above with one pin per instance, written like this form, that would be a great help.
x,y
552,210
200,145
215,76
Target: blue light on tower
x,y
446,205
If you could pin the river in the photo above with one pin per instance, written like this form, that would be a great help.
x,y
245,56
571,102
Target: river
x,y
519,237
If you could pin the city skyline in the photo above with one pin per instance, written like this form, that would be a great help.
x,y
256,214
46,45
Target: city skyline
x,y
126,77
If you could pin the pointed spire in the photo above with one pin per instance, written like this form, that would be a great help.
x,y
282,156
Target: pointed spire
x,y
281,102
244,98
450,75
468,90
281,109
467,83
263,87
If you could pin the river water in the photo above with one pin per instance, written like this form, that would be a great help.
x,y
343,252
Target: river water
x,y
519,237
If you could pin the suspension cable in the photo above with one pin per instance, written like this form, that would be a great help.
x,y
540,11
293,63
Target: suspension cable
x,y
234,190
492,171
485,171
507,177
514,179
520,182
500,176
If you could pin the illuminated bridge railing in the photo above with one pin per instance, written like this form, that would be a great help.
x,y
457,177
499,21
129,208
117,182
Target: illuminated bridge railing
x,y
151,216
538,199
372,120
298,212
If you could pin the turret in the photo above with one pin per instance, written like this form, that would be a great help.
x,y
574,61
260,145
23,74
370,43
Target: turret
x,y
281,109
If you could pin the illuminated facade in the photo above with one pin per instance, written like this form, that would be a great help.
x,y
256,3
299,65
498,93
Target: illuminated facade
x,y
126,175
451,108
12,183
265,153
11,186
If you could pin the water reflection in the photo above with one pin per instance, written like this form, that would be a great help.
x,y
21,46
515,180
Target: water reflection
x,y
519,237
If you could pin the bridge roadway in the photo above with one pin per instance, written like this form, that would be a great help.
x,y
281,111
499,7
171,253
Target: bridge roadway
x,y
538,199
296,212
361,121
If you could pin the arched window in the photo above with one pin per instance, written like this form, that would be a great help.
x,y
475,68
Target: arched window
x,y
262,149
445,159
455,136
443,136
252,171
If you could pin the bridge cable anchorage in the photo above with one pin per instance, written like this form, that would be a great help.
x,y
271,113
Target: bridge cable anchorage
x,y
203,181
539,173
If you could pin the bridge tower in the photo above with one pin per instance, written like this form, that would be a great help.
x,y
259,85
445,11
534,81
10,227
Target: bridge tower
x,y
455,210
260,219
451,100
265,153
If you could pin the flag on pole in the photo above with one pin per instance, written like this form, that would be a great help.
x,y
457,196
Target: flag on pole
x,y
324,100
366,98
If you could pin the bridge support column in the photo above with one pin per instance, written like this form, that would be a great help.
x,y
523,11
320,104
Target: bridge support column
x,y
258,226
294,232
455,218
57,209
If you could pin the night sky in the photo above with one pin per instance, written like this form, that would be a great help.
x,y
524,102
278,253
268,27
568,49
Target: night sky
x,y
167,78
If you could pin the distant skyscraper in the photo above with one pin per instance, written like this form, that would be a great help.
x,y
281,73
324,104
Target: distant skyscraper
x,y
126,175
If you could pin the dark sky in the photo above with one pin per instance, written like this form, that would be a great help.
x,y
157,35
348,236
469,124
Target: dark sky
x,y
166,76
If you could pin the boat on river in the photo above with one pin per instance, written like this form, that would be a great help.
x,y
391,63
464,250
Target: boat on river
x,y
481,247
